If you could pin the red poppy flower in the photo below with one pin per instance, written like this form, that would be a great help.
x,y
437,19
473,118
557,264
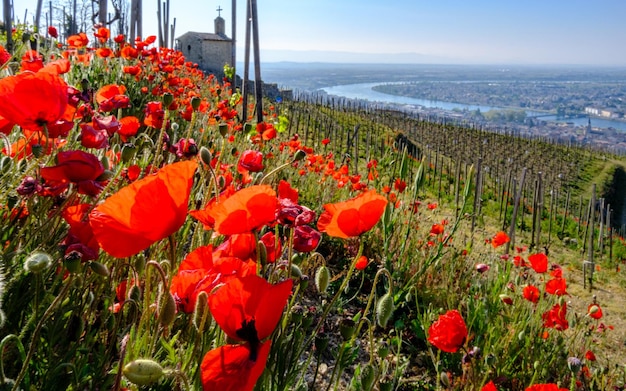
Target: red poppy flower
x,y
285,191
291,214
556,317
128,127
102,34
206,215
91,137
4,56
248,308
545,387
233,367
489,387
250,161
77,41
499,239
77,218
556,286
531,293
241,246
539,262
111,97
594,311
33,100
590,356
32,61
449,332
246,210
353,217
145,211
273,246
81,168
436,229
361,263
201,271
154,115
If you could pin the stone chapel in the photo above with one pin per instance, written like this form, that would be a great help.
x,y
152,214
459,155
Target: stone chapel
x,y
211,51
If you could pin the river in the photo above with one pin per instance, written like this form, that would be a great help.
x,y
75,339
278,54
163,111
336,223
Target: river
x,y
364,91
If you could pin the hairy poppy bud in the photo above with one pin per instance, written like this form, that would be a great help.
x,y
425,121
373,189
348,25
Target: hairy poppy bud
x,y
295,271
37,262
322,279
201,314
128,152
205,155
143,372
368,375
167,312
99,269
384,309
134,293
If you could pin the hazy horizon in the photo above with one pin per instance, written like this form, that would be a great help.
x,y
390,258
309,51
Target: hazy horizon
x,y
534,32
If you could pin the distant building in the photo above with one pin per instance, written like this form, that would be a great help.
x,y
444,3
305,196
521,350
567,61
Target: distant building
x,y
211,51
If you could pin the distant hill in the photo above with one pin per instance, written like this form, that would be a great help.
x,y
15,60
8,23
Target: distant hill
x,y
350,57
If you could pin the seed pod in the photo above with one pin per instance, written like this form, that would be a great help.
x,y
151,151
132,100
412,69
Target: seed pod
x,y
347,328
167,99
384,309
368,375
322,279
195,102
223,128
143,371
167,312
37,262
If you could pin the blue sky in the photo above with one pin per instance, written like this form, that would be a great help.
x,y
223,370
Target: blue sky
x,y
445,31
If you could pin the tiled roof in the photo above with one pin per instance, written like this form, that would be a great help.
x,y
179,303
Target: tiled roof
x,y
205,36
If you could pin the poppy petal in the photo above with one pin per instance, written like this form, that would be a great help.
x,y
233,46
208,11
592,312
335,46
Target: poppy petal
x,y
145,211
229,368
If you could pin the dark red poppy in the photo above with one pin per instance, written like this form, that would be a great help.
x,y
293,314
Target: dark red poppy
x,y
250,161
33,100
305,239
77,216
246,210
531,293
353,217
145,211
556,317
291,214
91,137
231,368
52,31
539,262
448,332
81,168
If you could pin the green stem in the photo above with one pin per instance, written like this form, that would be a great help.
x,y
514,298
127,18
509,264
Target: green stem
x,y
35,337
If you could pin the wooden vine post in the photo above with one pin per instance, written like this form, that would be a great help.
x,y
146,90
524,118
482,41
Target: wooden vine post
x,y
589,265
518,196
8,23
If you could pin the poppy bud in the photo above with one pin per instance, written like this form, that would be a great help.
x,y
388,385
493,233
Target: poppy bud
x,y
134,293
299,155
261,253
368,375
346,328
167,312
383,350
167,99
143,372
384,309
5,164
105,176
445,379
201,314
223,128
195,102
322,279
247,128
295,271
37,262
37,150
205,156
385,385
506,299
128,152
99,269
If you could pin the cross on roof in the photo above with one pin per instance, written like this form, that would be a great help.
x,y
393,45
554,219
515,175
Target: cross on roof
x,y
219,10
